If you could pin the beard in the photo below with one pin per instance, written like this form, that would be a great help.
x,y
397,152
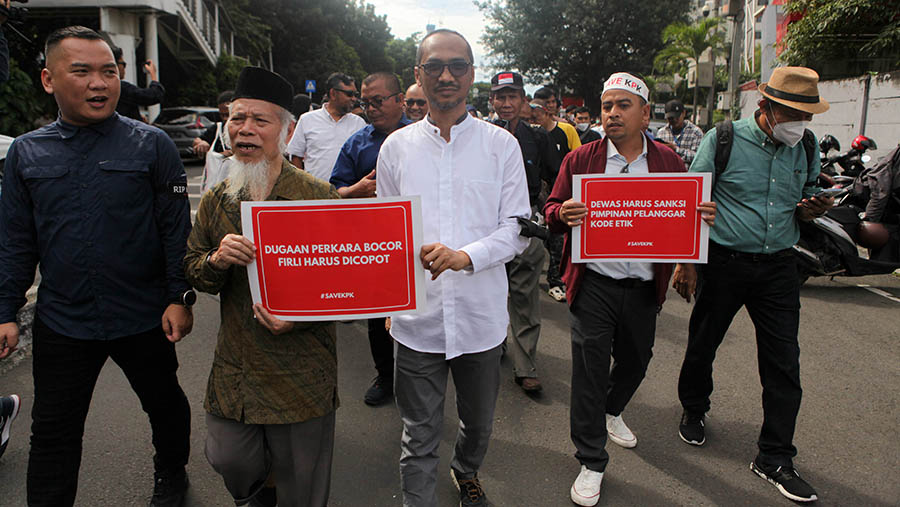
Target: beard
x,y
253,176
448,105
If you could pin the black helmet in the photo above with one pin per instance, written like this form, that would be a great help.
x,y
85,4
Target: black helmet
x,y
829,143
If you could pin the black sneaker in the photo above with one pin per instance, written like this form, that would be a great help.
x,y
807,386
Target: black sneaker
x,y
380,392
471,494
691,429
788,482
169,488
9,409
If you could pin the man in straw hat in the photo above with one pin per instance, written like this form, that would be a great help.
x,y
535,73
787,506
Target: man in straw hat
x,y
272,391
613,305
768,185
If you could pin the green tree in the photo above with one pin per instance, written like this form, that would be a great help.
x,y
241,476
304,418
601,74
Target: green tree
x,y
206,84
687,42
19,103
576,44
847,37
402,55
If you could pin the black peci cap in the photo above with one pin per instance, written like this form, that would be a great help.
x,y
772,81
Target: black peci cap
x,y
261,84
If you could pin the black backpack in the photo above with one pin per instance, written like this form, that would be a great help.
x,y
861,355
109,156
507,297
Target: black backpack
x,y
725,138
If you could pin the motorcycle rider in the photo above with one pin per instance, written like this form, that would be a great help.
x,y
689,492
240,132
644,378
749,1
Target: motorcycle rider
x,y
879,188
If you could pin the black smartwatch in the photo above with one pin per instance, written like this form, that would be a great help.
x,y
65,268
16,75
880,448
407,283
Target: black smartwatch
x,y
187,299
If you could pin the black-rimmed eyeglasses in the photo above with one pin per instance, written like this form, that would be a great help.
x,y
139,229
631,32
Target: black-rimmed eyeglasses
x,y
416,102
458,68
375,102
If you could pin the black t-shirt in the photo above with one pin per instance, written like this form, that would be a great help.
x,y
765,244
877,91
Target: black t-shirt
x,y
560,141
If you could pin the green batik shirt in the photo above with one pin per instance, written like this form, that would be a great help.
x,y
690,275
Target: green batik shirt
x,y
758,192
257,377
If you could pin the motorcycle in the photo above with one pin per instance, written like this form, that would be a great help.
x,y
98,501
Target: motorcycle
x,y
829,245
852,162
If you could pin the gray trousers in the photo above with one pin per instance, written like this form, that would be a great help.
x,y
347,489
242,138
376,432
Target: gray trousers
x,y
297,455
420,387
524,306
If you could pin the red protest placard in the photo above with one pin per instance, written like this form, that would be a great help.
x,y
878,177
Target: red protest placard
x,y
335,259
641,217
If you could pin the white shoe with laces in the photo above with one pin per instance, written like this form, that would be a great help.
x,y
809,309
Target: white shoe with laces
x,y
619,432
586,489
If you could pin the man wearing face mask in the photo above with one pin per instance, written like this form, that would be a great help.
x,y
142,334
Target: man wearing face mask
x,y
767,186
583,126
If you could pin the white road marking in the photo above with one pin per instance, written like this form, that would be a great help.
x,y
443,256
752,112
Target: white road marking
x,y
879,292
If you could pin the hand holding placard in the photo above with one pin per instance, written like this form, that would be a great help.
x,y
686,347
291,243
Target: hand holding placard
x,y
571,212
233,249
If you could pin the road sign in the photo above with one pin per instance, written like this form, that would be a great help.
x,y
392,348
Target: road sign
x,y
310,86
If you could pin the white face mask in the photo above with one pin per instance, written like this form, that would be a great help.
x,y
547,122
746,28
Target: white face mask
x,y
582,126
789,132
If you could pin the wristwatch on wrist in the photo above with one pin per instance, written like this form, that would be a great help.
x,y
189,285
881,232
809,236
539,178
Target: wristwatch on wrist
x,y
188,298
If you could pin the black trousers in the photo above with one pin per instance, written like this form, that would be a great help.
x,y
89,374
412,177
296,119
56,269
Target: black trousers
x,y
770,290
382,346
65,371
554,245
608,318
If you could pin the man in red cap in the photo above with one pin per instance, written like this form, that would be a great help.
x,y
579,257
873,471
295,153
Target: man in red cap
x,y
767,186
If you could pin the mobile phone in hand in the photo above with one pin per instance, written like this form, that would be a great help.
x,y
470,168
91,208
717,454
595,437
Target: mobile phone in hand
x,y
829,192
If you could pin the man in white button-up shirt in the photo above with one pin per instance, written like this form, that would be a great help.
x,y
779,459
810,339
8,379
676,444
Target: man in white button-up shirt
x,y
613,306
469,175
320,134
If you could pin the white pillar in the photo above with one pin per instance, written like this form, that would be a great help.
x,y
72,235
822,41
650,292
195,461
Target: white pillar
x,y
215,33
151,52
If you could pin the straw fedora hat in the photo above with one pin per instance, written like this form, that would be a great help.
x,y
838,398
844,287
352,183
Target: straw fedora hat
x,y
795,87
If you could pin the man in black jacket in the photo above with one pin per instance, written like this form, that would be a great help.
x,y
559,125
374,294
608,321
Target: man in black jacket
x,y
524,271
132,97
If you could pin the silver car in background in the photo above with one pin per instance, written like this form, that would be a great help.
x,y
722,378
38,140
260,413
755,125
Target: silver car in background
x,y
184,124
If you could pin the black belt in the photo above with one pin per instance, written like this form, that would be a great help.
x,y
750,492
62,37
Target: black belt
x,y
627,283
752,257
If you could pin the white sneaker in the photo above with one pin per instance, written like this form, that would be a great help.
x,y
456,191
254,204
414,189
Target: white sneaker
x,y
619,433
586,489
558,294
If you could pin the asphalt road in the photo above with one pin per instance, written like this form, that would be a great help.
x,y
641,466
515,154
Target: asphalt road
x,y
846,434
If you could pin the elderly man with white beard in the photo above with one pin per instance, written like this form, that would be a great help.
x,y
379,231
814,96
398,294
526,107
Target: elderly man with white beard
x,y
272,392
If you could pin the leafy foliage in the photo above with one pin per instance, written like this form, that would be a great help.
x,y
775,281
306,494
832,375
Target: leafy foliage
x,y
206,83
19,102
310,39
402,55
844,30
576,44
685,43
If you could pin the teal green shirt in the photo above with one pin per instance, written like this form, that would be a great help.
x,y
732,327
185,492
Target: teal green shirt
x,y
758,192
